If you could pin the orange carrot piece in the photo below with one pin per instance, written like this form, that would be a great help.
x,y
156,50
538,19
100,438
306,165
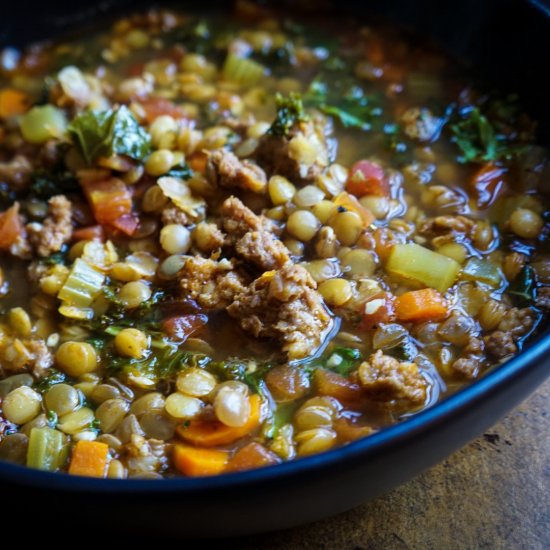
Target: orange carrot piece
x,y
13,102
252,456
211,433
421,305
90,233
197,162
196,462
337,386
89,459
349,202
10,226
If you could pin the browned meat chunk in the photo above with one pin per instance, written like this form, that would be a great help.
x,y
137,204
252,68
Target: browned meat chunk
x,y
500,344
470,361
17,172
518,322
57,229
173,214
26,355
384,378
227,170
284,305
301,156
239,219
212,284
263,249
420,124
543,297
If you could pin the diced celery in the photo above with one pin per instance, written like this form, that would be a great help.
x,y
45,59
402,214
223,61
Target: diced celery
x,y
242,70
47,449
42,123
82,286
421,265
483,271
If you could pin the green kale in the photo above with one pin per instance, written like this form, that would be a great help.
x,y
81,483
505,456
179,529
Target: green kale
x,y
343,360
54,377
180,171
479,141
45,186
52,419
57,258
281,414
107,133
290,111
344,100
523,288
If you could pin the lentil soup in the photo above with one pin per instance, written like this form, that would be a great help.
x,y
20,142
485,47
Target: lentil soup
x,y
230,242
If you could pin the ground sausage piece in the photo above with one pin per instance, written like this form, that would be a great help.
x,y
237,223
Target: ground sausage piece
x,y
517,322
26,355
57,229
17,172
263,249
301,156
238,220
470,361
420,124
212,284
174,215
144,456
384,378
42,358
227,170
500,344
543,297
284,305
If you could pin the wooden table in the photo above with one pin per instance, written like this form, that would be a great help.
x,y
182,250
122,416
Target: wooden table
x,y
494,494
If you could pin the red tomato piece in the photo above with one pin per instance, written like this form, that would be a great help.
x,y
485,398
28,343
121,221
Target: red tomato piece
x,y
10,226
157,106
184,326
487,184
367,178
111,203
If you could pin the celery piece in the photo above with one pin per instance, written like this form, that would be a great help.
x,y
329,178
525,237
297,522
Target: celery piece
x,y
483,271
82,286
47,449
242,70
421,265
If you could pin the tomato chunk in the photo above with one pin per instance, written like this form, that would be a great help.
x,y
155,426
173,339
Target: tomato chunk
x,y
183,326
367,178
251,456
487,184
157,106
379,309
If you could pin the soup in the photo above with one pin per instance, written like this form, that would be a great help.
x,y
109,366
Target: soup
x,y
228,242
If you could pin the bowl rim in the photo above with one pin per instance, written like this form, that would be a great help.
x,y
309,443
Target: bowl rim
x,y
375,444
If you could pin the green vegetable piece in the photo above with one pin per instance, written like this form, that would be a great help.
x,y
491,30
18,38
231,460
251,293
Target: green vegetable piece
x,y
242,70
107,133
54,377
43,123
83,285
47,449
421,265
524,287
290,111
343,360
483,271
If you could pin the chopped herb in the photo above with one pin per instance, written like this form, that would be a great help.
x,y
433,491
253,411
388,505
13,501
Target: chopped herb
x,y
343,360
478,140
46,185
290,111
55,377
107,133
281,414
57,258
523,288
180,171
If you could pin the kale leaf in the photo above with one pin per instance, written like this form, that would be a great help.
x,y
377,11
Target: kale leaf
x,y
523,288
107,133
290,110
343,360
479,141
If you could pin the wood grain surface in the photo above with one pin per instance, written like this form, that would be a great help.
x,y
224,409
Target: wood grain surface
x,y
494,494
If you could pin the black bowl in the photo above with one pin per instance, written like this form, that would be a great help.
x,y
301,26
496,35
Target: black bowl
x,y
513,35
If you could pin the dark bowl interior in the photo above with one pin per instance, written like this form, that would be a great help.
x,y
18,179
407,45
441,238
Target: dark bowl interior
x,y
508,43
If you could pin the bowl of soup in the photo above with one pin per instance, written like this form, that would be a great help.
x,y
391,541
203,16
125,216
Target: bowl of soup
x,y
259,255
